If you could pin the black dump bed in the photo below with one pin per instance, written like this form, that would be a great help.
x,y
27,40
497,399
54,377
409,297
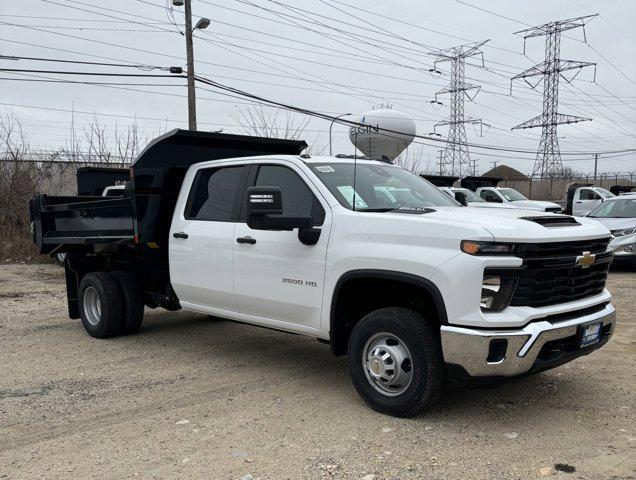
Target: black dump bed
x,y
142,216
473,183
440,180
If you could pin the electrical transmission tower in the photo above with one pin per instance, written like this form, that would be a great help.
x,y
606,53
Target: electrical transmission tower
x,y
548,161
455,159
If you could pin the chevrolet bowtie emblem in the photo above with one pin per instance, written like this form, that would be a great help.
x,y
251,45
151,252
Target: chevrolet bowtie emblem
x,y
586,259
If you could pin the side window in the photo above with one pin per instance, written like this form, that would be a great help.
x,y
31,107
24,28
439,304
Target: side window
x,y
298,199
489,196
587,194
214,194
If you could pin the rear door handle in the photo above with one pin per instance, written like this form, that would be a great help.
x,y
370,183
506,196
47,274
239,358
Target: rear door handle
x,y
249,240
180,235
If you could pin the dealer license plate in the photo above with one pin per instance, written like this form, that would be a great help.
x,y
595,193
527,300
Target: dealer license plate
x,y
591,334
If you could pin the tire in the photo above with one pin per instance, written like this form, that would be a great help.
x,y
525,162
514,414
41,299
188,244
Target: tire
x,y
60,258
133,299
414,357
101,305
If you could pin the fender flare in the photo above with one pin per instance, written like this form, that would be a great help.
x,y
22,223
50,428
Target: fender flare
x,y
416,280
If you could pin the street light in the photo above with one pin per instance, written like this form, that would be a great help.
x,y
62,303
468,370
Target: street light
x,y
202,24
331,127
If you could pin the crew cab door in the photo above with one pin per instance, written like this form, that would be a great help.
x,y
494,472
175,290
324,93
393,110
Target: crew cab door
x,y
202,236
585,200
277,278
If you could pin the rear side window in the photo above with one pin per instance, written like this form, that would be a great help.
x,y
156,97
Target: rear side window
x,y
214,194
298,199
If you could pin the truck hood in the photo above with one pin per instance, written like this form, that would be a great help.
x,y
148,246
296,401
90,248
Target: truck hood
x,y
535,204
516,224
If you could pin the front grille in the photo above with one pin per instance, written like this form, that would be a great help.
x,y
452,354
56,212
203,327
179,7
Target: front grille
x,y
550,276
556,249
553,209
540,284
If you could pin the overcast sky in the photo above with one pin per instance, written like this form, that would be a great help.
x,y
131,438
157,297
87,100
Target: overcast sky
x,y
293,56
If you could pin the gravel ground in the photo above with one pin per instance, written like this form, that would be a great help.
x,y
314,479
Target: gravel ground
x,y
191,397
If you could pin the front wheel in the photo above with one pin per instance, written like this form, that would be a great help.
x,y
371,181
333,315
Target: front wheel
x,y
395,361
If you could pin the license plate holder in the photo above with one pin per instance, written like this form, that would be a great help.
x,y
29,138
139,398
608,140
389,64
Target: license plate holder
x,y
590,334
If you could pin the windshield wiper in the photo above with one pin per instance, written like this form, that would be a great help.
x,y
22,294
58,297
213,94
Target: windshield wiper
x,y
382,210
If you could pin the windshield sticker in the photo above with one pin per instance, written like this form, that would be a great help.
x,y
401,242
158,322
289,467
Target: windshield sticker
x,y
325,169
347,193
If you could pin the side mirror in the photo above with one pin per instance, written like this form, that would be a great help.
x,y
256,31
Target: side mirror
x,y
461,198
265,211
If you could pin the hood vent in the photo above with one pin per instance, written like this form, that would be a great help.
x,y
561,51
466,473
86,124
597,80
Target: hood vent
x,y
553,221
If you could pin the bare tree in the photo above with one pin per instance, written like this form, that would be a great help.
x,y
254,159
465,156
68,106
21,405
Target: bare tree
x,y
413,159
275,123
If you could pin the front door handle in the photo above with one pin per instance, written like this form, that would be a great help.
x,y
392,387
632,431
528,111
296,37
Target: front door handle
x,y
180,235
249,240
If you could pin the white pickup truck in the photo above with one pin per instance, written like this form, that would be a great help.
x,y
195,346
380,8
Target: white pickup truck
x,y
510,196
411,290
581,199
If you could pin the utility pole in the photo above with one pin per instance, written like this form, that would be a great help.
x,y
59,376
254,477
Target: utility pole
x,y
202,24
456,154
441,162
192,107
595,165
548,161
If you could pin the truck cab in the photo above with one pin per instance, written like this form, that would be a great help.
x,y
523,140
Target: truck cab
x,y
581,199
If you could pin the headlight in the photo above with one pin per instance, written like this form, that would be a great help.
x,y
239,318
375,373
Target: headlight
x,y
486,248
624,232
496,293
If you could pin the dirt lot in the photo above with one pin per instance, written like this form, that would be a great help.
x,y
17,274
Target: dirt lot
x,y
191,397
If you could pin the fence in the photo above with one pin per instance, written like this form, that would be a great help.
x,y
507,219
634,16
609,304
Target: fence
x,y
19,181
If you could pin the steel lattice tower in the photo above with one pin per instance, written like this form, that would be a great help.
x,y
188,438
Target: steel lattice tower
x,y
548,161
455,158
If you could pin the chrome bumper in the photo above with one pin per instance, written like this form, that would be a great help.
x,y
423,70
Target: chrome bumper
x,y
469,347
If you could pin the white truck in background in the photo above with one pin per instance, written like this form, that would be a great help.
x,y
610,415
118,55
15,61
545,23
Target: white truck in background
x,y
510,196
582,198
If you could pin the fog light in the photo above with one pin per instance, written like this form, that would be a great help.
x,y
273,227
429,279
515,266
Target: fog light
x,y
496,293
629,248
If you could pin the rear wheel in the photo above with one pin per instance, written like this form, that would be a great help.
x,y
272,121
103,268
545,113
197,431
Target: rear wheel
x,y
133,299
101,305
395,361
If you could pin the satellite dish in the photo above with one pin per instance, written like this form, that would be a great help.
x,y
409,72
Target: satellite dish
x,y
375,138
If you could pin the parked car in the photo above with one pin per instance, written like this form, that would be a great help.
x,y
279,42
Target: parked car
x,y
618,214
411,290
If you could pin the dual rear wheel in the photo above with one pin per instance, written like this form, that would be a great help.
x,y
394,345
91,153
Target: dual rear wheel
x,y
110,304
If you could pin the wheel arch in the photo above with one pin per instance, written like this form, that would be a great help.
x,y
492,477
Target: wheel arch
x,y
412,288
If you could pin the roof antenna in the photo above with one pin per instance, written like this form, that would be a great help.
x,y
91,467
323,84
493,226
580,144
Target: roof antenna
x,y
355,164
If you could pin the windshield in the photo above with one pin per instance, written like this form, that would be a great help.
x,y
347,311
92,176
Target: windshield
x,y
470,195
605,193
511,194
379,187
623,208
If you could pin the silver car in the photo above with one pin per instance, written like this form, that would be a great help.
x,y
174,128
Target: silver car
x,y
618,214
